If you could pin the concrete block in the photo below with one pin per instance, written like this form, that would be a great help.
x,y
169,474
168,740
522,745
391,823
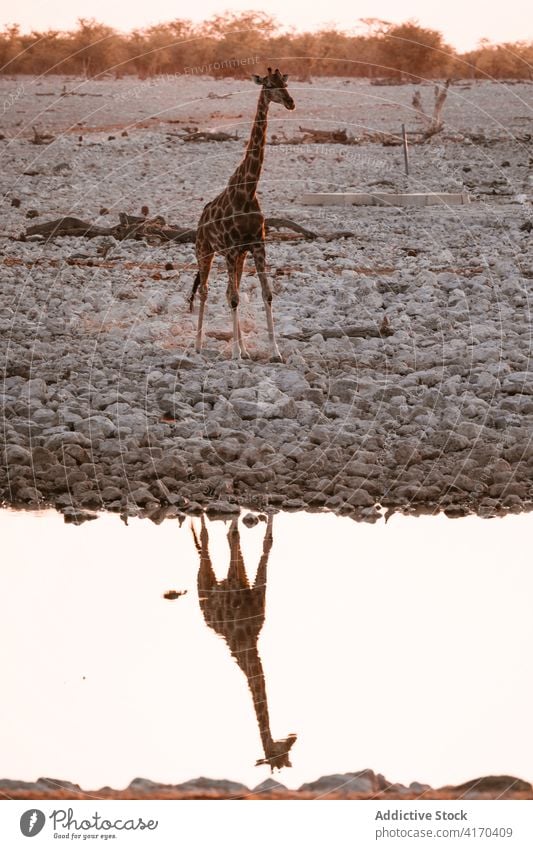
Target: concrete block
x,y
385,199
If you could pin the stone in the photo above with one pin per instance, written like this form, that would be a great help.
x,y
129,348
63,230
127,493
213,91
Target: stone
x,y
224,414
34,390
96,427
172,464
229,449
142,496
16,454
518,383
222,508
365,782
29,494
42,457
66,437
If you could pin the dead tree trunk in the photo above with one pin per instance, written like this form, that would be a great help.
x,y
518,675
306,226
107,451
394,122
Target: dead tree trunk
x,y
41,138
350,330
434,124
418,107
68,226
440,99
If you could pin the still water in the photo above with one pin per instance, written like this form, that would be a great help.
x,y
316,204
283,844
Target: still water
x,y
314,641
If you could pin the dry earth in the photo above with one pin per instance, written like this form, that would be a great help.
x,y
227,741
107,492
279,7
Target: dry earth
x,y
365,784
104,402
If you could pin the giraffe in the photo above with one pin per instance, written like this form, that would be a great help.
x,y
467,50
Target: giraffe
x,y
236,611
232,224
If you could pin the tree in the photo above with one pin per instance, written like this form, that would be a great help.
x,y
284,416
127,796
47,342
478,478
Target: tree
x,y
411,49
10,47
96,46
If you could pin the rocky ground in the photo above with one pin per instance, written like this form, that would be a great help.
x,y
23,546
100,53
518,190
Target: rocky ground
x,y
105,404
354,785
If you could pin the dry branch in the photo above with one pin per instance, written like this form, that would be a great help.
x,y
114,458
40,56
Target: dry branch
x,y
310,135
440,99
68,226
350,330
434,124
417,105
326,136
65,93
388,81
41,138
277,223
193,135
140,227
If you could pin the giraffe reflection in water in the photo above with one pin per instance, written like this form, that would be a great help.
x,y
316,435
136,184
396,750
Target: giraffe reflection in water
x,y
236,611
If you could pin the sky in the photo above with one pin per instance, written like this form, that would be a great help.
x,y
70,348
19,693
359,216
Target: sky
x,y
463,24
404,647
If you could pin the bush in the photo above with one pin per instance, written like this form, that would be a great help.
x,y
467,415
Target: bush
x,y
229,44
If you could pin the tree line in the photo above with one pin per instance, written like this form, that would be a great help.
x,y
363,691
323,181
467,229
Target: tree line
x,y
229,44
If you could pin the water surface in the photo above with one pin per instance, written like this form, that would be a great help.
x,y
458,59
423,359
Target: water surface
x,y
401,647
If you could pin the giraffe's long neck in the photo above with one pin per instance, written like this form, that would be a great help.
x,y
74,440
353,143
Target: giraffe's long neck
x,y
249,661
246,176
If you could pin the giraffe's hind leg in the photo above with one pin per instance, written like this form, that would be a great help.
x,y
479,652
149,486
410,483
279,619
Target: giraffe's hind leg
x,y
258,253
232,294
242,345
205,259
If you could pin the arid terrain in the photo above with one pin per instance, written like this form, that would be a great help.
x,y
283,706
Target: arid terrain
x,y
105,403
356,785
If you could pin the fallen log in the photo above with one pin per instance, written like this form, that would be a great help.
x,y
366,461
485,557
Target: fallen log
x,y
206,135
140,227
277,223
434,123
388,81
327,136
68,226
176,234
41,138
350,330
137,226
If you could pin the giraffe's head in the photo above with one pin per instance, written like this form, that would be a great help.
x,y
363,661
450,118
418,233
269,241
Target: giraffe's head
x,y
275,87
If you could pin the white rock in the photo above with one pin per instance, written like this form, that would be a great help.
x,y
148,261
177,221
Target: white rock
x,y
34,390
96,427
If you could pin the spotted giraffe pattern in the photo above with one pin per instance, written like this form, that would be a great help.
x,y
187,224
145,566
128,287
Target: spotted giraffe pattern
x,y
233,225
236,611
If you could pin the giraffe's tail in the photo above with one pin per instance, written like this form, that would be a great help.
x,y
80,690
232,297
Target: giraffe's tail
x,y
194,290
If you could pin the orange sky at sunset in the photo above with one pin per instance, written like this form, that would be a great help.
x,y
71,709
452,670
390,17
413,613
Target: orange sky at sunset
x,y
462,24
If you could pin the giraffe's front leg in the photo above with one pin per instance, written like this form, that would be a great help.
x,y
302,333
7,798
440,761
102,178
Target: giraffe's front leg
x,y
260,264
238,274
200,330
235,347
238,348
244,351
204,265
232,295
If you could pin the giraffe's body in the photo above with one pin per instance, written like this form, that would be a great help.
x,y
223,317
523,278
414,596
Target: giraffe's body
x,y
232,224
236,611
